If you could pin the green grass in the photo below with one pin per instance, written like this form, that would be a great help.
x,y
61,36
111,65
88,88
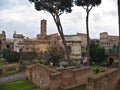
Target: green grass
x,y
115,64
82,87
18,85
6,73
99,68
45,62
2,62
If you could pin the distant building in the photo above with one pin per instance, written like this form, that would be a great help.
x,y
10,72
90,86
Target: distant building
x,y
83,39
3,40
18,38
41,43
73,43
10,44
108,41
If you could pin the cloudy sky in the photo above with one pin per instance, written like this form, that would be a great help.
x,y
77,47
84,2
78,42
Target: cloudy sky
x,y
20,16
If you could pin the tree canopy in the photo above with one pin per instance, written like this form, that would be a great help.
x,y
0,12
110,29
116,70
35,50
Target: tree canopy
x,y
87,2
53,6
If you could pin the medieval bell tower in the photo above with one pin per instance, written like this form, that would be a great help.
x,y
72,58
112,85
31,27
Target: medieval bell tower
x,y
43,25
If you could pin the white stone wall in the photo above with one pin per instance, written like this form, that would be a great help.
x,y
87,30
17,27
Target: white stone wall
x,y
17,47
74,41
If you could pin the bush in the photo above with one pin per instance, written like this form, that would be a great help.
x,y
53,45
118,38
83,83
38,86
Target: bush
x,y
97,53
115,64
98,69
10,56
55,54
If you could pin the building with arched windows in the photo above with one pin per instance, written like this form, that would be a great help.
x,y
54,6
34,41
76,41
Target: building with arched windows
x,y
108,41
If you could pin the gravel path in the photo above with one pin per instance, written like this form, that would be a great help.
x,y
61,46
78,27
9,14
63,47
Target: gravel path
x,y
11,78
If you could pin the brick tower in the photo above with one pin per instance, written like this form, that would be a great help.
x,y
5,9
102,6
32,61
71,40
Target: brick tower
x,y
43,25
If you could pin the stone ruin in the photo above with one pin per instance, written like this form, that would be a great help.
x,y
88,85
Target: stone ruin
x,y
52,78
57,79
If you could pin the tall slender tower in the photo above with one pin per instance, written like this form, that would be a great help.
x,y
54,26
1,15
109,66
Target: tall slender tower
x,y
43,27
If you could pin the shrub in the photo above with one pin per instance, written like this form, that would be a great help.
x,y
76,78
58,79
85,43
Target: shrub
x,y
10,56
55,54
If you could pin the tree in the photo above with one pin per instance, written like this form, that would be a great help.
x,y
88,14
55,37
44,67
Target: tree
x,y
97,53
10,56
87,5
118,1
55,8
55,54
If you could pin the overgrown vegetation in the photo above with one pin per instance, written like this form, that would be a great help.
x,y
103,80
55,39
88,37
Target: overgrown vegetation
x,y
10,56
97,53
2,62
7,72
98,68
55,54
18,85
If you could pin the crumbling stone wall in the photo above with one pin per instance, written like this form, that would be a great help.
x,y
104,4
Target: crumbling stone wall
x,y
109,80
39,75
57,79
72,77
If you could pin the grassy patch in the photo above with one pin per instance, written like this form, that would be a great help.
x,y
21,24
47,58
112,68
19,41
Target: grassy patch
x,y
18,85
115,65
6,73
45,62
2,62
82,87
99,68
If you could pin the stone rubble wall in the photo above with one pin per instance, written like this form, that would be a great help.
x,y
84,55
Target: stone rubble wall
x,y
109,80
57,79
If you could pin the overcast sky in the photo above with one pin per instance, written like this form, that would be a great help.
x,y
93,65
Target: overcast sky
x,y
20,16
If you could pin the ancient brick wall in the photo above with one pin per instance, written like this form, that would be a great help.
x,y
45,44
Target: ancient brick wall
x,y
39,75
56,79
75,76
109,80
44,77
